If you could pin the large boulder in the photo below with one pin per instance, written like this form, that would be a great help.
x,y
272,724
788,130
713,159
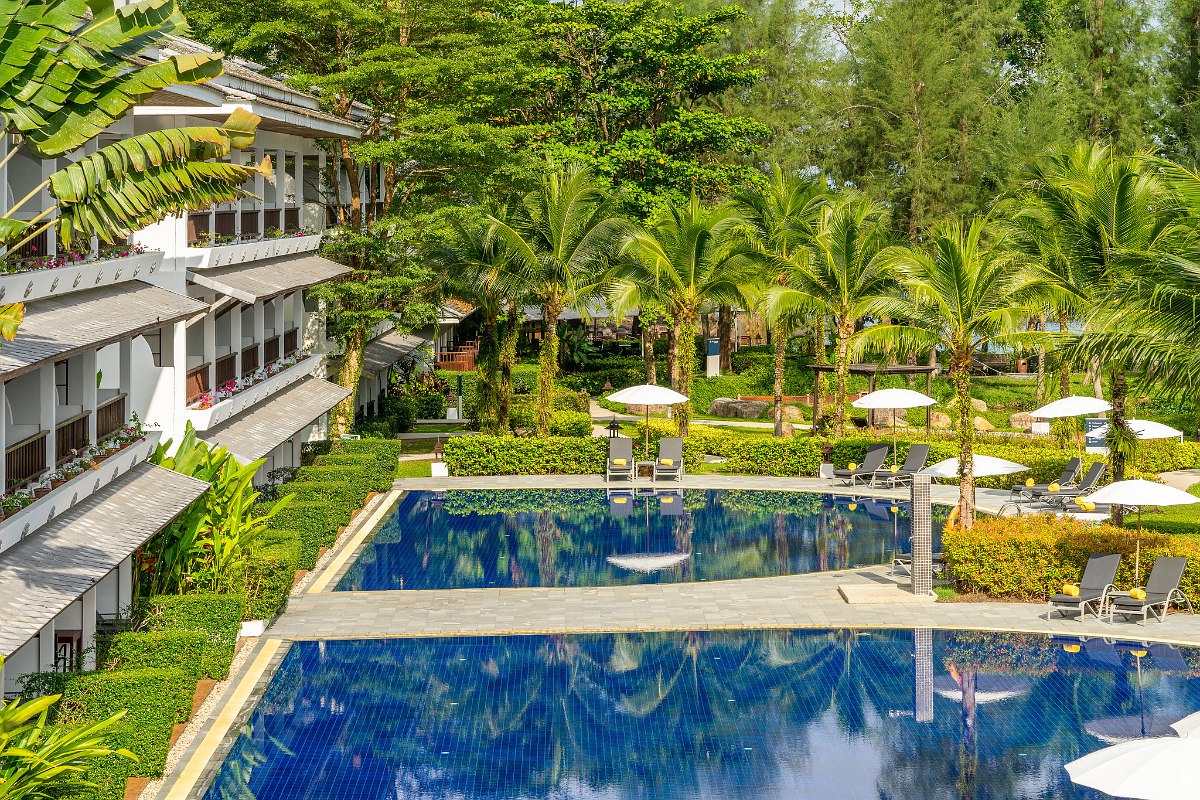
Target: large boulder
x,y
741,409
982,424
940,420
882,417
642,410
792,414
978,405
789,430
1022,421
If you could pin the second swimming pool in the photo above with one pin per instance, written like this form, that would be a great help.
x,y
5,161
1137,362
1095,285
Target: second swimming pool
x,y
593,537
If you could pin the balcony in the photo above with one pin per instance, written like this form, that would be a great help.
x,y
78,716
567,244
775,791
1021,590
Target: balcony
x,y
25,460
110,416
291,341
204,418
63,494
47,277
71,437
226,369
223,246
196,384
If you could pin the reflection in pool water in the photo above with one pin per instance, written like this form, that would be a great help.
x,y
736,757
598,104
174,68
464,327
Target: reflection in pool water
x,y
834,715
590,537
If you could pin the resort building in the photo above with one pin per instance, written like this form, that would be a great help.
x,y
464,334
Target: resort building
x,y
202,320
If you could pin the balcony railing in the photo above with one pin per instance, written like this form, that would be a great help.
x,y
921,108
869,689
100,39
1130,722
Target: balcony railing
x,y
291,218
226,369
250,225
25,460
271,218
271,350
197,383
110,416
37,247
291,341
249,360
70,435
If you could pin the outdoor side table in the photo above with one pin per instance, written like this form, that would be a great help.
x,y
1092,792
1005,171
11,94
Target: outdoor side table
x,y
649,466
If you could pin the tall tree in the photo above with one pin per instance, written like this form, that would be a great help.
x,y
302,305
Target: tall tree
x,y
558,239
687,257
784,216
963,292
842,278
1182,67
633,90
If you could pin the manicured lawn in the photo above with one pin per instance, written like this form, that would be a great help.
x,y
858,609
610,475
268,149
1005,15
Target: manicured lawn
x,y
419,445
1184,520
414,469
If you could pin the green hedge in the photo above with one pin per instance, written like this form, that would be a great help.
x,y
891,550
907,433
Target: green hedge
x,y
509,455
1030,557
217,616
318,522
153,700
268,585
182,650
571,423
382,453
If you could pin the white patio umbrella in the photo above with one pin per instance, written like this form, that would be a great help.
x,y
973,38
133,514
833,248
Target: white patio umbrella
x,y
1139,493
647,395
981,467
1073,406
1162,768
1142,429
1188,726
893,399
648,562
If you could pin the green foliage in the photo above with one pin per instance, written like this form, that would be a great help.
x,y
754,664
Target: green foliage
x,y
507,455
166,649
571,423
1032,556
217,616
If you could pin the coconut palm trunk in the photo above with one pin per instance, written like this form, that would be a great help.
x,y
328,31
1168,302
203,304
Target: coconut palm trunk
x,y
508,358
487,387
960,377
547,365
685,364
818,376
779,337
1118,455
648,354
845,329
349,373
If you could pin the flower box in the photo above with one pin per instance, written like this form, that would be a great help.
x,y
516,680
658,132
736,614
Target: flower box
x,y
224,255
16,525
21,287
204,418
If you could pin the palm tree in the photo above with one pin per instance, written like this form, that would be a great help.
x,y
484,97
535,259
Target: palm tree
x,y
967,290
842,277
784,214
475,268
688,256
1109,220
558,238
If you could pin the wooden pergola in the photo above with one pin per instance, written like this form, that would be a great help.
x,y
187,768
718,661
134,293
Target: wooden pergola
x,y
873,371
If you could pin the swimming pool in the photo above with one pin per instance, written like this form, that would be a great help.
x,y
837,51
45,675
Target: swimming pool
x,y
592,537
835,715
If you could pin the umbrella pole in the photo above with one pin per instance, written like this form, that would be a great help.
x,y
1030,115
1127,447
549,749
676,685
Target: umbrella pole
x,y
894,461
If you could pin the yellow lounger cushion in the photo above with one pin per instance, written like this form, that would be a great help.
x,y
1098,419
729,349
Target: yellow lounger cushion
x,y
667,462
1137,594
620,500
1054,487
894,467
1071,648
852,466
668,500
1088,505
1029,482
618,462
1071,589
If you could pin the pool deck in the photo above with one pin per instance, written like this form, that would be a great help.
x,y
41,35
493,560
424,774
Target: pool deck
x,y
796,601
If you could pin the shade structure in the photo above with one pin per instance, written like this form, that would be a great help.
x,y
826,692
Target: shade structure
x,y
1188,726
1073,406
1113,730
1161,768
981,467
648,562
988,688
647,394
893,399
1142,493
1142,429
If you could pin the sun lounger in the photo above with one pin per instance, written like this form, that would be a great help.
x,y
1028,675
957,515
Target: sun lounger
x,y
914,462
1094,588
620,459
1066,480
670,458
1162,589
873,461
1062,497
620,502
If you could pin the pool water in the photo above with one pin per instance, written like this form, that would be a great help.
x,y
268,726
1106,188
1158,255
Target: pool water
x,y
590,537
829,715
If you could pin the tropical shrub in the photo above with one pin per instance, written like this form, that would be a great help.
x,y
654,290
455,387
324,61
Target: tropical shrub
x,y
217,616
571,423
1033,556
206,547
507,455
182,650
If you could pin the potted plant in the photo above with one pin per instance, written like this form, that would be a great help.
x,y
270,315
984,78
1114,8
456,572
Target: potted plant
x,y
73,469
57,478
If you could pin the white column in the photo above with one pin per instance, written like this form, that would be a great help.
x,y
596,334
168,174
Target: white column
x,y
125,585
208,336
235,157
260,183
89,628
235,337
3,429
259,326
88,398
3,210
176,346
125,380
300,188
49,405
46,648
48,166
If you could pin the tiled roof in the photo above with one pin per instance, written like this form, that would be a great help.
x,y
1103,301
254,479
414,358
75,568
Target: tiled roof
x,y
53,567
58,327
264,279
261,428
381,353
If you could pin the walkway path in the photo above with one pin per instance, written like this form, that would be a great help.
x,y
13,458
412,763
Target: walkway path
x,y
1181,479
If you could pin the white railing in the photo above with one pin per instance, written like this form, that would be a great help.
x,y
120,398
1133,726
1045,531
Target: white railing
x,y
224,255
21,287
204,418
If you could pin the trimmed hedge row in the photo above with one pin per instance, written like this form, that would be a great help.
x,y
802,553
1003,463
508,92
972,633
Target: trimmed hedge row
x,y
571,423
1030,557
553,455
218,617
161,649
